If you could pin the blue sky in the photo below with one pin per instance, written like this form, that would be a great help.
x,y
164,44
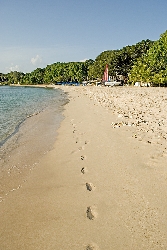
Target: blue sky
x,y
35,33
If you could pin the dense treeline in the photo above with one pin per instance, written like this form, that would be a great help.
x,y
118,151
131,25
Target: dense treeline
x,y
152,66
67,72
3,78
56,72
145,61
120,61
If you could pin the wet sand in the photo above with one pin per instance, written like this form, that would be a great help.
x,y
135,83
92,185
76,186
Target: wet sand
x,y
22,151
103,185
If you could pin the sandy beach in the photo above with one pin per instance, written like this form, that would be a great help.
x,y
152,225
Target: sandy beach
x,y
102,184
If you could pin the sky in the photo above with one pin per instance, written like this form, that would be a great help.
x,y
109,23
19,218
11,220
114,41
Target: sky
x,y
37,33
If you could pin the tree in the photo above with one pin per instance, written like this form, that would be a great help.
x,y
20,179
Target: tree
x,y
120,62
15,77
152,66
37,76
67,72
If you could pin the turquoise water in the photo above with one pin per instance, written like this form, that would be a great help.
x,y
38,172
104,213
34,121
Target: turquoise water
x,y
17,103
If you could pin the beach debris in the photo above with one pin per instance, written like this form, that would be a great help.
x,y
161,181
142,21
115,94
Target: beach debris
x,y
28,116
19,186
86,142
120,124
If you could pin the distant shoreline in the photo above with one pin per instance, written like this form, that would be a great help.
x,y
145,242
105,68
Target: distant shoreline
x,y
33,86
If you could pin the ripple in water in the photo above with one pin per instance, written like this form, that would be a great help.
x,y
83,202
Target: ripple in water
x,y
17,103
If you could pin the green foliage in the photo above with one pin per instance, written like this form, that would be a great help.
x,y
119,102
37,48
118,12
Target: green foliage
x,y
67,72
15,77
145,61
3,79
37,76
152,66
120,61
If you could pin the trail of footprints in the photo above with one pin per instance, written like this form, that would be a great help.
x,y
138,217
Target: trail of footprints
x,y
91,213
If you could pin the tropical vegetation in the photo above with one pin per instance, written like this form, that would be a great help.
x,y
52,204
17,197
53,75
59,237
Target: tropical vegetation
x,y
120,61
145,61
152,66
52,74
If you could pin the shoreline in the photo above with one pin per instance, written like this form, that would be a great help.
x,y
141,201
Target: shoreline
x,y
33,86
27,116
100,187
21,151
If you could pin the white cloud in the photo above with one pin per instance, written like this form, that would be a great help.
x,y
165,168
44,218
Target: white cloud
x,y
83,60
37,60
27,59
13,68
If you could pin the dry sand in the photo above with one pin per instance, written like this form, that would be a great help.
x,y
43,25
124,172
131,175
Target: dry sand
x,y
103,186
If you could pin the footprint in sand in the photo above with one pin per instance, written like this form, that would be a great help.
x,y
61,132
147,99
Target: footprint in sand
x,y
90,186
91,213
83,157
92,246
79,149
84,170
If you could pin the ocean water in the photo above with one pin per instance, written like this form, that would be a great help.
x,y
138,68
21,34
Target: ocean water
x,y
18,103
